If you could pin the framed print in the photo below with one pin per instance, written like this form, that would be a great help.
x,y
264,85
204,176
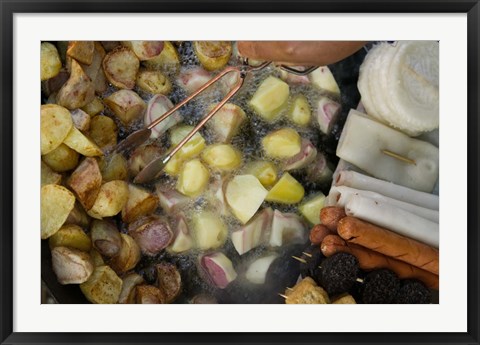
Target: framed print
x,y
257,173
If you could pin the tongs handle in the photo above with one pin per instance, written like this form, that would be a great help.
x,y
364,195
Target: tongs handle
x,y
151,171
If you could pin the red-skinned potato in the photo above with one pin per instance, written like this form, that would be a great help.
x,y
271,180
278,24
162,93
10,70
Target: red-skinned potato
x,y
145,50
106,238
71,266
128,257
141,157
152,234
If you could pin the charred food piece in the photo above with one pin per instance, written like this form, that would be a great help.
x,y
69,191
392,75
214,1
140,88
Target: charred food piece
x,y
413,291
169,280
380,287
338,273
313,257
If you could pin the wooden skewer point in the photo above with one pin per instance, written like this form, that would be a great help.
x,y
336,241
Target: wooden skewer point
x,y
307,254
299,259
282,295
360,280
399,157
290,289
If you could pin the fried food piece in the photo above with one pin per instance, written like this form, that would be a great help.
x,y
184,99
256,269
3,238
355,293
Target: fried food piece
x,y
307,292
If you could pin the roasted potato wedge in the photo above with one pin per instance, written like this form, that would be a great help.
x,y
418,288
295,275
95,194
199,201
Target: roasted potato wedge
x,y
140,203
130,281
103,286
71,266
78,216
213,55
56,204
121,67
50,64
95,66
149,294
81,120
103,131
105,238
55,124
127,105
71,236
167,60
62,159
86,181
80,143
113,167
94,107
82,51
145,50
48,176
111,198
128,257
154,82
78,90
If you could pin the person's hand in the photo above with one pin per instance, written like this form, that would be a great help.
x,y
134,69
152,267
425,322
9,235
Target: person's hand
x,y
300,53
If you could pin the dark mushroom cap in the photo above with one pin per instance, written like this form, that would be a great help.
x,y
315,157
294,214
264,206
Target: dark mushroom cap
x,y
338,273
380,287
413,291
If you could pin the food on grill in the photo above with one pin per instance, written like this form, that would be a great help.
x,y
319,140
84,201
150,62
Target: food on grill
x,y
246,211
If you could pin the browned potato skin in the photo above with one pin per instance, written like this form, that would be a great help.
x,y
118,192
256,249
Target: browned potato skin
x,y
78,90
103,286
105,238
110,45
78,216
154,82
54,84
121,67
168,59
169,280
71,236
94,107
149,294
95,66
103,131
130,282
63,158
140,203
128,257
49,176
127,105
145,50
86,181
71,266
141,157
81,120
213,55
113,167
81,51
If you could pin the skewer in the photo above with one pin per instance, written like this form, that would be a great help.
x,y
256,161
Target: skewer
x,y
282,295
307,254
399,157
299,259
290,289
360,280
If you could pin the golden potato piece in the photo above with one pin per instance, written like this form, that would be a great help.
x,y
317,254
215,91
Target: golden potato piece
x,y
97,258
50,64
81,51
168,58
49,176
145,50
85,181
127,105
81,120
282,143
149,294
78,90
103,131
71,236
128,257
121,67
95,66
114,168
63,158
80,143
55,124
140,203
78,216
94,107
56,204
213,54
154,82
223,157
130,281
193,178
103,286
111,198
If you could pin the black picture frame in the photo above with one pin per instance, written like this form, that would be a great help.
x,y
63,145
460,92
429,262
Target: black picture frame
x,y
9,7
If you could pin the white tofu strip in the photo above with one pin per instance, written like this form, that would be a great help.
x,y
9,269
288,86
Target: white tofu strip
x,y
364,142
359,181
393,218
341,194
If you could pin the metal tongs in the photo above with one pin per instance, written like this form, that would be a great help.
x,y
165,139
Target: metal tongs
x,y
154,168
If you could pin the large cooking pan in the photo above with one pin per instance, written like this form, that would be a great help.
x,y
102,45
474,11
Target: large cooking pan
x,y
346,74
